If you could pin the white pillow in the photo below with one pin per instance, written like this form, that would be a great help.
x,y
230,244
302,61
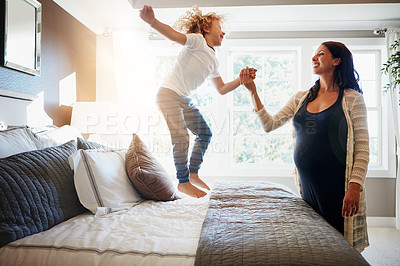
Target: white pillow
x,y
101,181
17,140
58,136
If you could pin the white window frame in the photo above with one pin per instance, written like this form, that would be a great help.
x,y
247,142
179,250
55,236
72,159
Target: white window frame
x,y
274,169
385,167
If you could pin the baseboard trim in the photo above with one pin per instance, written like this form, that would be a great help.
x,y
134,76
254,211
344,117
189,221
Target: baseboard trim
x,y
381,221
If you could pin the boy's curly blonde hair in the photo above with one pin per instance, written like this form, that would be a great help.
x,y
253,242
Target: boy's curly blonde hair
x,y
193,21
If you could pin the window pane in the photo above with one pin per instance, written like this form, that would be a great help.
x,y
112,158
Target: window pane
x,y
280,66
373,131
276,82
262,150
276,74
365,65
244,60
277,93
369,92
373,125
246,124
241,96
373,151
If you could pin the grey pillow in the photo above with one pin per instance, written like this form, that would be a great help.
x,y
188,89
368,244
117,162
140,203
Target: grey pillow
x,y
16,140
147,174
36,192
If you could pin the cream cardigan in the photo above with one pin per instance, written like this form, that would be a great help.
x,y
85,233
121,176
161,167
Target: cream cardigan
x,y
357,156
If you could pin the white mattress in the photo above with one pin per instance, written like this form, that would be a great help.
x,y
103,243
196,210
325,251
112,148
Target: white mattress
x,y
151,233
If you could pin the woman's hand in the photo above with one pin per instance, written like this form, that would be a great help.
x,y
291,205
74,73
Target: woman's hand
x,y
246,78
252,72
351,201
147,14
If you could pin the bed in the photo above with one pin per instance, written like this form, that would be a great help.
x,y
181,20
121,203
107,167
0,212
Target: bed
x,y
265,223
238,223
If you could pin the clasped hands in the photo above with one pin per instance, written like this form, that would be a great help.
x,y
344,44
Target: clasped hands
x,y
246,77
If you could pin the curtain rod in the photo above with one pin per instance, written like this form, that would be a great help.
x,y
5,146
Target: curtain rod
x,y
378,31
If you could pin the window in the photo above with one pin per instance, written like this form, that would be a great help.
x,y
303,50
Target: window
x,y
366,63
276,82
239,145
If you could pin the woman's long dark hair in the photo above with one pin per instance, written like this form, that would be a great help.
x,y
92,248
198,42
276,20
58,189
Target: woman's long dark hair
x,y
345,75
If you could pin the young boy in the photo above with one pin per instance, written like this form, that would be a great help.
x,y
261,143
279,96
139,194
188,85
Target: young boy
x,y
194,64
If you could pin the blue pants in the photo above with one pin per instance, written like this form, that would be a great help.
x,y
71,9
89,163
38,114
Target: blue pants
x,y
181,114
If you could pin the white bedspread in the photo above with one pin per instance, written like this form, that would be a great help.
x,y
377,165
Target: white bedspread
x,y
151,233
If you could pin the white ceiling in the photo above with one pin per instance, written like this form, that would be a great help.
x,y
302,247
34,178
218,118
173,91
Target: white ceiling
x,y
106,15
219,3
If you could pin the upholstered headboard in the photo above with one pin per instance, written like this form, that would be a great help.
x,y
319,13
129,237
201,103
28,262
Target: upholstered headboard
x,y
18,108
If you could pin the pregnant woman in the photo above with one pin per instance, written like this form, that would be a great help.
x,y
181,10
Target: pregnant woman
x,y
332,144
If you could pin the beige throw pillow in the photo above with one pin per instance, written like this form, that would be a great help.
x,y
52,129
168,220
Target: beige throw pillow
x,y
147,174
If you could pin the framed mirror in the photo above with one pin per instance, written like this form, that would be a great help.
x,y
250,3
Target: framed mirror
x,y
22,34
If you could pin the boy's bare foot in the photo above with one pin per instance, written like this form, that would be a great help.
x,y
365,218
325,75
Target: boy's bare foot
x,y
191,190
195,180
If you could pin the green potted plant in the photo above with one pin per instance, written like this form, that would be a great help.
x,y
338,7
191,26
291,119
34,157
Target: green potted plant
x,y
392,67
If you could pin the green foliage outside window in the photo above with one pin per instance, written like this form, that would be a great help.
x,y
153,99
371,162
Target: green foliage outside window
x,y
276,79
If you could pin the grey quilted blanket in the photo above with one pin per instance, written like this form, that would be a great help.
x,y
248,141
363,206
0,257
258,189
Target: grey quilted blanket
x,y
263,223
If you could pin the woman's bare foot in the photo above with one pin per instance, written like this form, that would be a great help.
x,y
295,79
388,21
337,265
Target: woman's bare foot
x,y
195,180
191,190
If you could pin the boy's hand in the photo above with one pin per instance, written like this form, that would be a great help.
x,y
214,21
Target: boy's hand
x,y
247,72
147,14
